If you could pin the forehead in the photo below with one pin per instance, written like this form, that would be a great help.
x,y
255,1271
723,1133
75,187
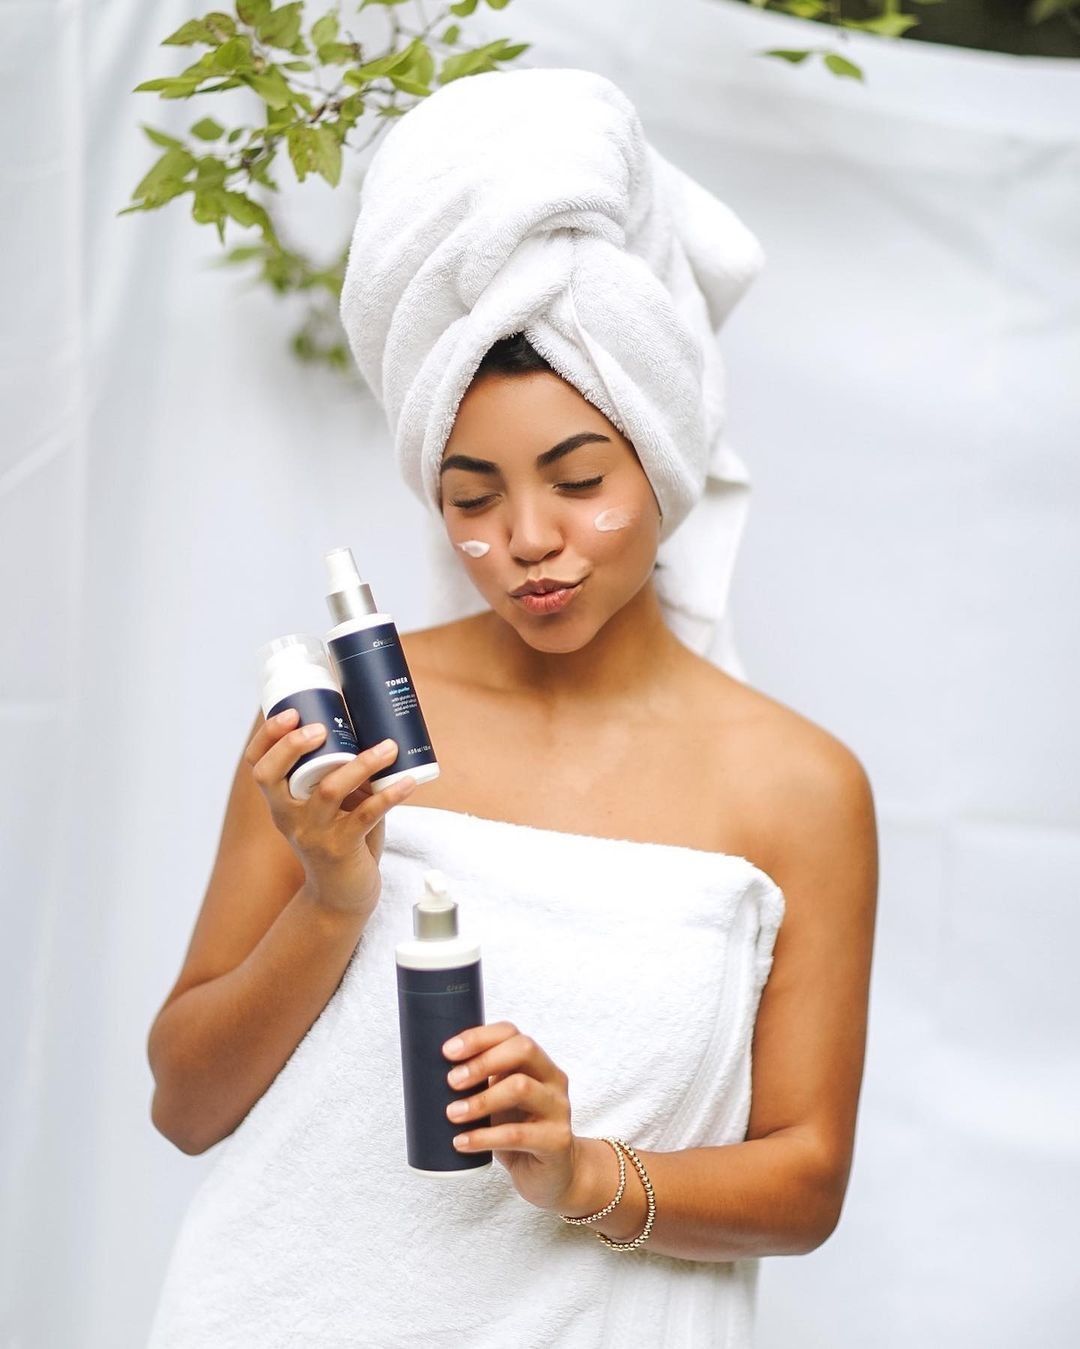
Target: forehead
x,y
506,417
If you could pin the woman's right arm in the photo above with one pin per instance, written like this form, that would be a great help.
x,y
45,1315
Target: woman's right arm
x,y
292,888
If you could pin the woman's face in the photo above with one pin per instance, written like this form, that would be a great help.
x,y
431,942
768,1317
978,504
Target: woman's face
x,y
537,483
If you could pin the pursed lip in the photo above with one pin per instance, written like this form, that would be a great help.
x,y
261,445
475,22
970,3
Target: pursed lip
x,y
543,587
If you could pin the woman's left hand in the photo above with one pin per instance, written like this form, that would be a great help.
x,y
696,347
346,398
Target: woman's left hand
x,y
525,1094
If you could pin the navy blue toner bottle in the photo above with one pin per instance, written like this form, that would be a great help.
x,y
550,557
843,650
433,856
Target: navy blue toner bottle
x,y
375,680
440,994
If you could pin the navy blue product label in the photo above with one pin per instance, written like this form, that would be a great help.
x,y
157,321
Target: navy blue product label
x,y
379,693
433,1006
326,706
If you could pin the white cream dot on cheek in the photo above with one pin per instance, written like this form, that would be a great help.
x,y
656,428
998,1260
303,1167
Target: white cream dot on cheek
x,y
614,518
474,547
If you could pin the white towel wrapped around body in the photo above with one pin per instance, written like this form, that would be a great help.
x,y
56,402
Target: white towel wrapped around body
x,y
530,201
638,967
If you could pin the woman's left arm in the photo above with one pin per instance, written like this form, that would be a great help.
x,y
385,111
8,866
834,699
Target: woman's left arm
x,y
781,1191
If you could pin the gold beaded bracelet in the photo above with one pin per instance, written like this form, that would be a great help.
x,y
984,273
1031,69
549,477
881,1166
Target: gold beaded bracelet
x,y
622,1151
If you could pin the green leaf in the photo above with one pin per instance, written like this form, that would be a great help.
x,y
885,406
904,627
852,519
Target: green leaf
x,y
296,65
303,150
251,11
160,138
159,195
350,112
223,25
392,62
233,56
174,164
208,208
498,4
202,69
335,53
328,155
281,27
408,86
480,59
260,171
195,30
840,65
325,29
235,135
422,69
207,129
803,9
247,212
464,8
451,35
786,54
211,172
272,87
169,86
244,253
885,25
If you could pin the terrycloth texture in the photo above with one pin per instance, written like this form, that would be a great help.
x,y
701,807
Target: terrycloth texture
x,y
530,200
638,967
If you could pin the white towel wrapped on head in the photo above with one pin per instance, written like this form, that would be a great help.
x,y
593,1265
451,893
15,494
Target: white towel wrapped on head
x,y
530,201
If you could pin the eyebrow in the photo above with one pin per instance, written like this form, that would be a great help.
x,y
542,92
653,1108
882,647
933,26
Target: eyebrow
x,y
472,465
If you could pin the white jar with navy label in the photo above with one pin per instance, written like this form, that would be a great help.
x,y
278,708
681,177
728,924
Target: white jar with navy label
x,y
295,671
374,676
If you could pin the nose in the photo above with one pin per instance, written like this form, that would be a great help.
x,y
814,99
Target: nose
x,y
534,532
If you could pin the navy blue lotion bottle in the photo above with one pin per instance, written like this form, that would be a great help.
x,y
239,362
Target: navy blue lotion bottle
x,y
294,671
374,676
440,994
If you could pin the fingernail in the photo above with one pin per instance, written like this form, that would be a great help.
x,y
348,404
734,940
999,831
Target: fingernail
x,y
310,732
385,746
287,715
454,1046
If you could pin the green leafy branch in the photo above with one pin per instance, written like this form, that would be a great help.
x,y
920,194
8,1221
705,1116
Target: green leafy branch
x,y
323,95
891,22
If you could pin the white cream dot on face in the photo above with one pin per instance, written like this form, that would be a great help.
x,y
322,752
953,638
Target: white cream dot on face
x,y
614,518
474,547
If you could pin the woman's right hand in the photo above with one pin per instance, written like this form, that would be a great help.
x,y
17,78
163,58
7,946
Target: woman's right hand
x,y
338,832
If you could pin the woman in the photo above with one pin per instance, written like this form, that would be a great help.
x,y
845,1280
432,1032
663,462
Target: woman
x,y
627,824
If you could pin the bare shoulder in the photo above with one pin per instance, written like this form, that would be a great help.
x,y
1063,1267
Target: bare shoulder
x,y
808,787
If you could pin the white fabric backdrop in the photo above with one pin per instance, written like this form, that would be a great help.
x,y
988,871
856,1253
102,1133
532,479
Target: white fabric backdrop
x,y
904,379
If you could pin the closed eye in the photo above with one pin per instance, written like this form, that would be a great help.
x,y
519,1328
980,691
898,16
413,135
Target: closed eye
x,y
571,486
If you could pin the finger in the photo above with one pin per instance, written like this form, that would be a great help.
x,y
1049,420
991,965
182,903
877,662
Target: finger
x,y
543,1138
518,1092
271,769
270,730
363,819
511,1052
474,1039
327,796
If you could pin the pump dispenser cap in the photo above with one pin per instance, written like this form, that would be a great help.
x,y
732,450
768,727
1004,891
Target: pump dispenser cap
x,y
349,596
435,913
